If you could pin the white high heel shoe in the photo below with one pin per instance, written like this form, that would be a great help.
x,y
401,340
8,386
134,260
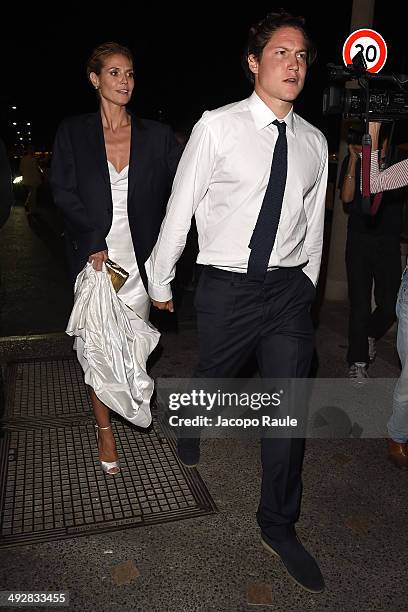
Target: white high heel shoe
x,y
109,467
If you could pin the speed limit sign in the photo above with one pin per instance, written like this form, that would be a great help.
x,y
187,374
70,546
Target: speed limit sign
x,y
371,44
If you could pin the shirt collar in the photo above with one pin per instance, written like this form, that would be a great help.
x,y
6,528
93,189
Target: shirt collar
x,y
263,116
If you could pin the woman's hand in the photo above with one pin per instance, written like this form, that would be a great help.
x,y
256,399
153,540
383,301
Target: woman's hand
x,y
164,305
97,259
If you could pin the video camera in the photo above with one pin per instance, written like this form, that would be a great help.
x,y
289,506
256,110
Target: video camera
x,y
390,103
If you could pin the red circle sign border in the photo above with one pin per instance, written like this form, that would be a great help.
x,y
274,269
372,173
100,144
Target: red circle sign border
x,y
369,34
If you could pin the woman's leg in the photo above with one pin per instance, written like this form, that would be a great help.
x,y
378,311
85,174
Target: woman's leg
x,y
106,440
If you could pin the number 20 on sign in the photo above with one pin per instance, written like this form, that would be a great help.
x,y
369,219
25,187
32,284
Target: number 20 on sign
x,y
371,44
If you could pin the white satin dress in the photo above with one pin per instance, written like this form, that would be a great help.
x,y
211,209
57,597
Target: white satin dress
x,y
120,245
118,375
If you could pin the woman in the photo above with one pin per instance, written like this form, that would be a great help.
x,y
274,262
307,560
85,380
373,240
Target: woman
x,y
111,176
394,177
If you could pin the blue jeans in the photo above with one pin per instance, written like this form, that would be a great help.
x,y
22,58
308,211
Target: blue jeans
x,y
398,423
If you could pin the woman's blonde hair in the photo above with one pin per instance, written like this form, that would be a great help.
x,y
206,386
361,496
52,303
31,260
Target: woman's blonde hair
x,y
102,52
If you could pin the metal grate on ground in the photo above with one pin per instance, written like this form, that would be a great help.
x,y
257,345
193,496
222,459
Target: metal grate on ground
x,y
52,483
37,389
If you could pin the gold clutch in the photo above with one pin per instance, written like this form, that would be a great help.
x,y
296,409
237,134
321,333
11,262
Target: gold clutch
x,y
118,275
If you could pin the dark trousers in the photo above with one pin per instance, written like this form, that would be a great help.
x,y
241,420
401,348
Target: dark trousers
x,y
237,317
371,258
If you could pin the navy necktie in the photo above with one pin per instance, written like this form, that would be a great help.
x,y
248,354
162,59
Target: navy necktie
x,y
264,234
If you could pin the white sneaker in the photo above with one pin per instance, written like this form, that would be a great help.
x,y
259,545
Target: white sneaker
x,y
358,372
372,351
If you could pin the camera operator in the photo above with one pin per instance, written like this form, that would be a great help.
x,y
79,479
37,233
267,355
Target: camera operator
x,y
372,254
394,177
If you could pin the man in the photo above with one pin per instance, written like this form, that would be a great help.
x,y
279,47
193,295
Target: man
x,y
372,255
6,187
32,179
255,291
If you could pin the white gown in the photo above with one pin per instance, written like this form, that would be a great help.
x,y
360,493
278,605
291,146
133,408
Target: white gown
x,y
120,245
118,375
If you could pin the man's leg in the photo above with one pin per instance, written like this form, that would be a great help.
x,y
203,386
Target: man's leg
x,y
285,351
229,317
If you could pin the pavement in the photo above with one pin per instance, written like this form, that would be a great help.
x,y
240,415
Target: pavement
x,y
354,510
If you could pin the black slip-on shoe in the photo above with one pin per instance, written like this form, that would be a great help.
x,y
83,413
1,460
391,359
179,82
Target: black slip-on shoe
x,y
299,564
188,451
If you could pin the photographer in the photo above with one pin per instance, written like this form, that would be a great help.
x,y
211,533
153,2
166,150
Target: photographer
x,y
394,177
372,255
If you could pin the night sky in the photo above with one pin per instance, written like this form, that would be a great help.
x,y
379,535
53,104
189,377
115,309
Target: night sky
x,y
186,61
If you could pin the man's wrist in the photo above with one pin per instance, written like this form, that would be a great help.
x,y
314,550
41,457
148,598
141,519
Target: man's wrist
x,y
160,293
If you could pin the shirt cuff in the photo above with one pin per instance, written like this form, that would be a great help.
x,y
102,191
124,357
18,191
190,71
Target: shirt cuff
x,y
160,293
310,272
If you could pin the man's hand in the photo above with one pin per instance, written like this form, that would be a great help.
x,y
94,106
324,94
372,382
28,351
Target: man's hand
x,y
97,259
164,305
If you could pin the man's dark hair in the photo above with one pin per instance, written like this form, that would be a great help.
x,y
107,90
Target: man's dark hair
x,y
261,32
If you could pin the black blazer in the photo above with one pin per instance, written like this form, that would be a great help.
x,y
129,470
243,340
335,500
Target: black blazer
x,y
81,185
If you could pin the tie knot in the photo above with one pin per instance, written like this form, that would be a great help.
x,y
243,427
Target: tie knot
x,y
281,125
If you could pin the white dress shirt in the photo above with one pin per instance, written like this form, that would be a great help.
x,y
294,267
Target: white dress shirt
x,y
222,178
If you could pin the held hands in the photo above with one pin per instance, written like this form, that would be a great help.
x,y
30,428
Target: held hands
x,y
164,305
97,259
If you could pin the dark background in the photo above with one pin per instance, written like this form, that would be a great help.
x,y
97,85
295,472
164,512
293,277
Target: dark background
x,y
186,60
